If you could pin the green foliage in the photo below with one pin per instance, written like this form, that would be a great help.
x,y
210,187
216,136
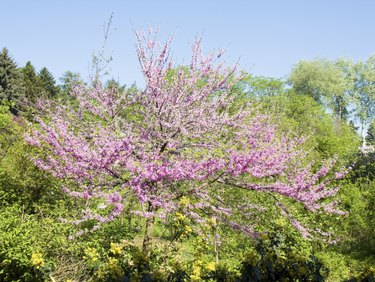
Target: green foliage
x,y
37,86
301,115
68,81
20,181
371,133
47,83
30,81
326,82
262,87
282,255
357,229
11,85
23,235
364,91
22,87
367,275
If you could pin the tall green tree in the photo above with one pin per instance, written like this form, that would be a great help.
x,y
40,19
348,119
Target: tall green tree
x,y
11,84
329,83
31,83
261,87
47,83
364,91
301,114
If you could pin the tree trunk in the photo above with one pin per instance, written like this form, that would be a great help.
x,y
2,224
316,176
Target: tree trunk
x,y
147,239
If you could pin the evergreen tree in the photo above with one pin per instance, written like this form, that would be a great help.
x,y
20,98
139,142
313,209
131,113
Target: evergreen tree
x,y
47,83
11,85
30,81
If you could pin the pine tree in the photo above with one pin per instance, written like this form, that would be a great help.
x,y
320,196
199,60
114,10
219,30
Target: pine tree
x,y
47,83
11,85
30,81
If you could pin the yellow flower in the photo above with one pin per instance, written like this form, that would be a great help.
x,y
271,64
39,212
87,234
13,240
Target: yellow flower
x,y
113,267
116,249
196,275
180,216
184,201
210,266
91,254
112,262
188,229
280,222
198,263
37,260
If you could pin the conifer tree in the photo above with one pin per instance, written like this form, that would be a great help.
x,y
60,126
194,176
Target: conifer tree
x,y
47,83
30,81
11,88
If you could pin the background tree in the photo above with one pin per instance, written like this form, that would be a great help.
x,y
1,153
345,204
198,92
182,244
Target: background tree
x,y
68,81
30,81
301,115
262,87
11,88
33,91
47,83
364,91
327,82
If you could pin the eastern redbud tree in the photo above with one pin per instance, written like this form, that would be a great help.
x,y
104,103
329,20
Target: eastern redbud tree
x,y
184,136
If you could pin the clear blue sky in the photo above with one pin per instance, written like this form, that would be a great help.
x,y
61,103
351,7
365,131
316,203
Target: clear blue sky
x,y
269,37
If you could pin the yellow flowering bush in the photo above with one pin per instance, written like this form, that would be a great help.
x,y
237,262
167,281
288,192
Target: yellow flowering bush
x,y
180,216
113,266
184,201
201,269
110,269
210,266
188,229
37,260
116,249
91,254
196,271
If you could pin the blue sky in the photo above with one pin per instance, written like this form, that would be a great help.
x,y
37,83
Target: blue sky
x,y
269,37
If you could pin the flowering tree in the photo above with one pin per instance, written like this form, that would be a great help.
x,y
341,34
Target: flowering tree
x,y
182,137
